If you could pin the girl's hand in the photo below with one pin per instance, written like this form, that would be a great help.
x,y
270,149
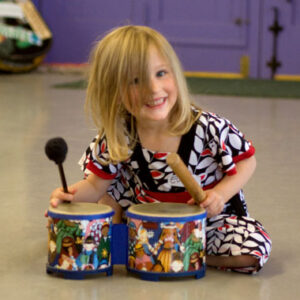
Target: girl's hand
x,y
58,195
213,203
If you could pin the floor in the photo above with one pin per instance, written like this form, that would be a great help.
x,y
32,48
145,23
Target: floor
x,y
32,112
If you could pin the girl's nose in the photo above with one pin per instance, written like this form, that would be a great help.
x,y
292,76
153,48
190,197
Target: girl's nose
x,y
154,85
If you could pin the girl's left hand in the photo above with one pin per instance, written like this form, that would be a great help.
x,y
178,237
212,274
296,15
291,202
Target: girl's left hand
x,y
213,203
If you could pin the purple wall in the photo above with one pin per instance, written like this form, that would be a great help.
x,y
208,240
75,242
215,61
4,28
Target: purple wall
x,y
209,36
288,39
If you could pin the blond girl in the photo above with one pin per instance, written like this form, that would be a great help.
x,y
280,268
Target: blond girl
x,y
139,102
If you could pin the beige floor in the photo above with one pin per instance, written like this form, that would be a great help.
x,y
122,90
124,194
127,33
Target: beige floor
x,y
31,112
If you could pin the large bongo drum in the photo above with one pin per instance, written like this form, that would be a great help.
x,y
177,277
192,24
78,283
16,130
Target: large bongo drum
x,y
166,240
79,239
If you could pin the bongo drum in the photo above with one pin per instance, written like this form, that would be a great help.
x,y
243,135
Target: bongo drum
x,y
79,239
166,240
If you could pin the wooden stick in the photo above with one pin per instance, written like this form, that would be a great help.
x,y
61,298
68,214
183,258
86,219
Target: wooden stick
x,y
182,172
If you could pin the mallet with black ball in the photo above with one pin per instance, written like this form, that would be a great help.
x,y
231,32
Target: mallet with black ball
x,y
56,149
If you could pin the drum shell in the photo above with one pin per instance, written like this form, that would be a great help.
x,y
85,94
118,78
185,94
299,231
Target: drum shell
x,y
166,242
79,239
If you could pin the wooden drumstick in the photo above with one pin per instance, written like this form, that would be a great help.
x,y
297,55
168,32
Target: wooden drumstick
x,y
182,172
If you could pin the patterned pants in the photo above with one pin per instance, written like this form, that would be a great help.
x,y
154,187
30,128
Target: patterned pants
x,y
229,235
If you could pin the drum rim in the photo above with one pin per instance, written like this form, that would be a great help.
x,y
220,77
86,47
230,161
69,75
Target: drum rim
x,y
59,212
148,216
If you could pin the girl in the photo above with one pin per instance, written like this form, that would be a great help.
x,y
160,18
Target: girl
x,y
138,99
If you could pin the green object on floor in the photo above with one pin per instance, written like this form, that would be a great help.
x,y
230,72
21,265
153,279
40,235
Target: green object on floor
x,y
228,87
245,87
79,85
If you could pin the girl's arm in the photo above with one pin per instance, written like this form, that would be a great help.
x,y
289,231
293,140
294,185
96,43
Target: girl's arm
x,y
89,190
228,187
231,185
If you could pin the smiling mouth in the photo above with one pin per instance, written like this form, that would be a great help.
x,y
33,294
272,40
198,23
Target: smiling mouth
x,y
156,102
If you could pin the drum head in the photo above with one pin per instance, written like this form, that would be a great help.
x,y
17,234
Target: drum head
x,y
79,210
177,211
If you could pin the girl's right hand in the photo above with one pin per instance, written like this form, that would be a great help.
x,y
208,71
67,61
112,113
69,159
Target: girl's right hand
x,y
58,196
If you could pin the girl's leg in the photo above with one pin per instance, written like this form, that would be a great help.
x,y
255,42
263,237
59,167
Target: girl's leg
x,y
237,243
239,261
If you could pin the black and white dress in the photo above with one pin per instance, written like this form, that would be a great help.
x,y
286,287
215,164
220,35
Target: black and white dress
x,y
211,150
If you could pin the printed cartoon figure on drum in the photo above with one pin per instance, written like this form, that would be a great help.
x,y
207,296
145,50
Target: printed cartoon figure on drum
x,y
140,250
138,99
132,240
52,254
193,241
193,251
143,236
142,261
65,252
104,246
68,254
168,244
177,263
87,259
143,249
66,228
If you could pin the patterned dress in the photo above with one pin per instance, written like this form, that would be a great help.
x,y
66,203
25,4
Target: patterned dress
x,y
210,149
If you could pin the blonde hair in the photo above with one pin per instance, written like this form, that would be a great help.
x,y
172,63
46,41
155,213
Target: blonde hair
x,y
116,60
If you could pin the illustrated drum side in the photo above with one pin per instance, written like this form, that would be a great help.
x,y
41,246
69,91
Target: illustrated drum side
x,y
166,240
79,239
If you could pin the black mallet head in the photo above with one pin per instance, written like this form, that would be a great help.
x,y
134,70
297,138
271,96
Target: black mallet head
x,y
56,149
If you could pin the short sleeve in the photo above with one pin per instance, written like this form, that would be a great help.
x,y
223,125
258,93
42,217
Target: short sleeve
x,y
90,161
232,146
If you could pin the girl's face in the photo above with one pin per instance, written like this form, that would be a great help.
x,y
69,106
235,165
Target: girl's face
x,y
163,89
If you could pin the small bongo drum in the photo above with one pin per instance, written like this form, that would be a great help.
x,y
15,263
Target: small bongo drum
x,y
79,239
166,240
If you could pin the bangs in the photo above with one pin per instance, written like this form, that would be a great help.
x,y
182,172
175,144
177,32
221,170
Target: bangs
x,y
134,69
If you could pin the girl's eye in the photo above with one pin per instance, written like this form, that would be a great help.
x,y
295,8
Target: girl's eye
x,y
161,73
135,81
